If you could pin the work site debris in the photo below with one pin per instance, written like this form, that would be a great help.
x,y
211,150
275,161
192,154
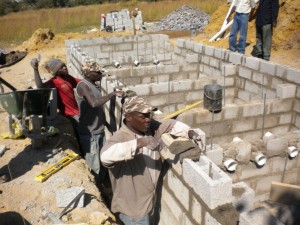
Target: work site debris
x,y
184,18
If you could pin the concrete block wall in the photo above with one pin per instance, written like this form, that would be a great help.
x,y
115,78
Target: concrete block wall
x,y
120,20
179,81
124,49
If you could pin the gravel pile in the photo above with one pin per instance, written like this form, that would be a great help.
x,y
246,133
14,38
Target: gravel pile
x,y
183,18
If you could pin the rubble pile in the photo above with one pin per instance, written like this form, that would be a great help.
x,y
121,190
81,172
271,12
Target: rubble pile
x,y
184,18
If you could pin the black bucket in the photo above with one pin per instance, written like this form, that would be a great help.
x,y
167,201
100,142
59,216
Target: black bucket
x,y
213,98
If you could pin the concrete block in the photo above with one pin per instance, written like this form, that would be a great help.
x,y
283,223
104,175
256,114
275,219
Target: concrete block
x,y
172,204
205,59
251,63
243,125
286,91
228,69
259,216
267,67
214,62
242,197
159,88
181,43
180,191
192,58
209,50
293,75
297,107
215,154
64,197
141,90
277,146
244,95
231,111
184,85
255,109
198,47
235,58
286,118
209,220
196,208
252,87
245,73
208,181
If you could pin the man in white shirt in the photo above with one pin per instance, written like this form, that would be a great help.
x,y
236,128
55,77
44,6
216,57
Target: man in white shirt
x,y
243,12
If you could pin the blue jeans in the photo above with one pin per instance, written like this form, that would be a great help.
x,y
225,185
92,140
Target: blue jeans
x,y
240,24
127,220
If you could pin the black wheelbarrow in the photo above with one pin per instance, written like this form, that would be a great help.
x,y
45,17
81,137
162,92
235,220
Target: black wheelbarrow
x,y
21,104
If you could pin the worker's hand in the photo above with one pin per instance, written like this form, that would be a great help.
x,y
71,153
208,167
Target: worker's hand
x,y
148,142
196,138
34,63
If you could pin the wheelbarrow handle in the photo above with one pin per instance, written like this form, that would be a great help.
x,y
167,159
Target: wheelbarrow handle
x,y
7,84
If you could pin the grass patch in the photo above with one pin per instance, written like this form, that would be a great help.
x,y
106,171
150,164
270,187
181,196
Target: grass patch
x,y
18,27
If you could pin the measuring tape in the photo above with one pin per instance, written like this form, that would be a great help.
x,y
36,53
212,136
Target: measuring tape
x,y
56,167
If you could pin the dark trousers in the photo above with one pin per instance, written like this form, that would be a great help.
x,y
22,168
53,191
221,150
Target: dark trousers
x,y
264,41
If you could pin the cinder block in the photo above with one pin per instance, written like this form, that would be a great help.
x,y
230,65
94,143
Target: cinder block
x,y
254,109
286,91
243,197
172,204
252,63
159,88
277,146
209,50
196,208
208,181
179,189
184,85
267,67
243,125
64,197
245,73
228,69
293,75
209,220
235,58
215,154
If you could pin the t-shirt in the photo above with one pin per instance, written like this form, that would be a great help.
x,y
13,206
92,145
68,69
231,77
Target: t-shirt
x,y
244,6
66,102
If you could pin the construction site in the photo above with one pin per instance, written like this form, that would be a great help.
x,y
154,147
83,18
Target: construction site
x,y
247,108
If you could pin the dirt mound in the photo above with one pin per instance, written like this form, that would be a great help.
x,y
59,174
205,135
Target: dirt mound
x,y
38,40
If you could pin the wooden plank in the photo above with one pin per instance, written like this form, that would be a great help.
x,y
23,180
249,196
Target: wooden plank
x,y
285,193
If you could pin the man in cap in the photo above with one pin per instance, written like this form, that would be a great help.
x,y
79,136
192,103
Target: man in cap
x,y
64,83
133,159
92,118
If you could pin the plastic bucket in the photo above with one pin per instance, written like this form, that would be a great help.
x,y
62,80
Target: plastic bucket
x,y
213,97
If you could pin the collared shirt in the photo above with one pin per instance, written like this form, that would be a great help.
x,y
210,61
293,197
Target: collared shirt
x,y
134,176
244,6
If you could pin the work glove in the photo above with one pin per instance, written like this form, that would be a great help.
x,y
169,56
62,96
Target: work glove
x,y
195,136
148,142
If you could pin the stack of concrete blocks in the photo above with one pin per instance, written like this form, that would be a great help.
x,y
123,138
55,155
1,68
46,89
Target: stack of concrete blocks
x,y
121,20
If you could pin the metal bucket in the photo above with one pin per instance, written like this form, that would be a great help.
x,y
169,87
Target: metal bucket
x,y
213,97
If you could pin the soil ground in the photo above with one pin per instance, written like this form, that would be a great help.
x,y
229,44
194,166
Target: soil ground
x,y
26,201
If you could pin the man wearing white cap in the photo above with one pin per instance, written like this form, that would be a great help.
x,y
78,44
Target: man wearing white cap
x,y
92,118
133,159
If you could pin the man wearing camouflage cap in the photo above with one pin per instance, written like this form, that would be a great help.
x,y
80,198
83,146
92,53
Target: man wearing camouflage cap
x,y
92,118
133,159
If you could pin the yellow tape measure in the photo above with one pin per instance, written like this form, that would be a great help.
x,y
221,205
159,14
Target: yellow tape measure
x,y
56,167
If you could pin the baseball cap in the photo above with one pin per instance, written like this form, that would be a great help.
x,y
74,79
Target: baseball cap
x,y
91,65
136,104
53,65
